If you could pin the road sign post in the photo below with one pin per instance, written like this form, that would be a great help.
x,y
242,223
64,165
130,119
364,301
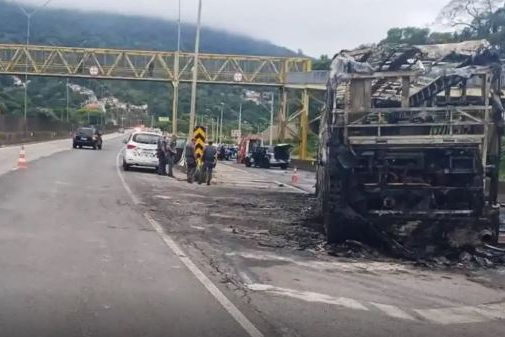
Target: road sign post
x,y
199,134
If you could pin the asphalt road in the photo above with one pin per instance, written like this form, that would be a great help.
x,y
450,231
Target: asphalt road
x,y
78,259
241,229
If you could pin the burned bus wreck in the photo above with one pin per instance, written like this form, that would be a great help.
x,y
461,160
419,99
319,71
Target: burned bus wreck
x,y
410,145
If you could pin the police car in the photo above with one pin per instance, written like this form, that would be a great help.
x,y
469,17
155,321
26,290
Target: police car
x,y
140,150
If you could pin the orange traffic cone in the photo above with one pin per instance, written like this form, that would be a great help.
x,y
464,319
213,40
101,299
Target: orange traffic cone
x,y
294,176
22,164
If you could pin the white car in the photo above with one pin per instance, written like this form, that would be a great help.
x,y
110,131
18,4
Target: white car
x,y
140,150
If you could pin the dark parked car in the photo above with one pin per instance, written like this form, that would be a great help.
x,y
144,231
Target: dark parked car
x,y
87,136
270,156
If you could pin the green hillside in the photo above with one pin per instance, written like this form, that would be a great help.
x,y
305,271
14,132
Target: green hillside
x,y
94,29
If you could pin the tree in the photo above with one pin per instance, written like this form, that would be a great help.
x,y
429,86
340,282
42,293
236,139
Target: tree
x,y
470,14
407,35
323,63
441,37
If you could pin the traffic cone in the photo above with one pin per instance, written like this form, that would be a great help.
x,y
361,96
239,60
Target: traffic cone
x,y
22,164
294,177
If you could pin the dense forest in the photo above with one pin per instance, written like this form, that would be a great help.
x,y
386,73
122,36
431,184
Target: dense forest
x,y
47,96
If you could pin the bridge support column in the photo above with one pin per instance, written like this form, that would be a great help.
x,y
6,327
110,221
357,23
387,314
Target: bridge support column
x,y
282,116
304,124
175,106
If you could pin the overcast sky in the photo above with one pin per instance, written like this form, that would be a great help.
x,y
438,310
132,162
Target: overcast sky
x,y
315,26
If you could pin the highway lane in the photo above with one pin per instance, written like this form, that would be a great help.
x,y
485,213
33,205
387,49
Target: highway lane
x,y
78,259
9,155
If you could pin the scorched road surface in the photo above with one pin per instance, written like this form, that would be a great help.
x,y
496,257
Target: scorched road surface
x,y
77,259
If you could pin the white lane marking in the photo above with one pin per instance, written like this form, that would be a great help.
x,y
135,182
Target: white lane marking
x,y
392,311
246,278
443,316
163,197
205,281
457,315
309,296
239,317
372,266
199,228
493,311
134,198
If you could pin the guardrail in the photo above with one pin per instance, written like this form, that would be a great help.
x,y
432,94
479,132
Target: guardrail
x,y
12,138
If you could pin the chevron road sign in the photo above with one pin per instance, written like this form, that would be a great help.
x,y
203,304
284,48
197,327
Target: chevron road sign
x,y
199,134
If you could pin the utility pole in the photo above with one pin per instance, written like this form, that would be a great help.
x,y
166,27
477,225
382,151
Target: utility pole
x,y
68,101
175,99
28,26
240,121
192,113
272,119
213,135
217,130
29,16
221,125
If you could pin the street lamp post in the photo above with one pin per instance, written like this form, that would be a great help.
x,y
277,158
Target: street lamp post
x,y
272,119
175,102
192,113
217,129
68,83
213,137
271,110
240,121
29,16
68,100
221,125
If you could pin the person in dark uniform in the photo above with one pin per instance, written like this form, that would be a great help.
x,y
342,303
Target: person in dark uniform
x,y
171,152
209,162
162,156
190,160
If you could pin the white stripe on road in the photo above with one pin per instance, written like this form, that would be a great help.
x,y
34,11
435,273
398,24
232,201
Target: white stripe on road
x,y
134,198
444,316
456,315
392,311
309,296
239,317
468,314
493,311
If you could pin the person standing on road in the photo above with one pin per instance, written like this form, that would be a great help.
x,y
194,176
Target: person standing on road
x,y
162,156
209,162
190,160
171,152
